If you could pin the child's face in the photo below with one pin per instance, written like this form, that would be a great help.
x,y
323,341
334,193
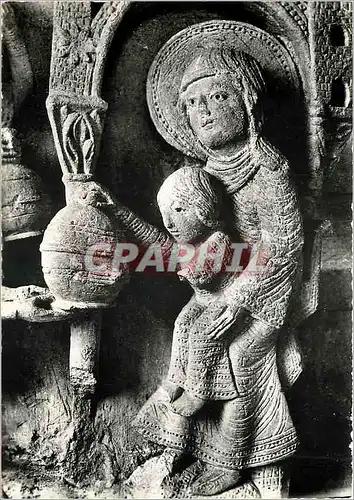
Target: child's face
x,y
181,220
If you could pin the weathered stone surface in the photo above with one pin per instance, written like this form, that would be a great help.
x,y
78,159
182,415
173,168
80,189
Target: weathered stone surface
x,y
73,240
156,479
229,136
26,208
137,333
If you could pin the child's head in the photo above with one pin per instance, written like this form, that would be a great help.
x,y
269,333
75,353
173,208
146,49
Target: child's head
x,y
189,203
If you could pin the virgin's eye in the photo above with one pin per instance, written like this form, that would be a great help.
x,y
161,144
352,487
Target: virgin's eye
x,y
192,101
219,97
178,209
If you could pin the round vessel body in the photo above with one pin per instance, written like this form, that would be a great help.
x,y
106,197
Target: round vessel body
x,y
26,208
78,262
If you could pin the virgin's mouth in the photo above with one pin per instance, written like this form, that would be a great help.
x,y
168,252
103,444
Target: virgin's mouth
x,y
207,124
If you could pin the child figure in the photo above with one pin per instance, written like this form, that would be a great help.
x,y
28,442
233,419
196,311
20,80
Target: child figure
x,y
200,368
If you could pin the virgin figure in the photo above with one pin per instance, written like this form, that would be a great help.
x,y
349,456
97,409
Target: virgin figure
x,y
218,114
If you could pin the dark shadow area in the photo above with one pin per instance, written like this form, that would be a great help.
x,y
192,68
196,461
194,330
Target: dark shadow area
x,y
21,262
337,36
312,476
137,334
338,93
320,404
29,353
32,123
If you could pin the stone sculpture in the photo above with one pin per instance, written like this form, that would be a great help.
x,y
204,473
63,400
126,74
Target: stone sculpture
x,y
65,246
78,226
223,400
26,208
299,46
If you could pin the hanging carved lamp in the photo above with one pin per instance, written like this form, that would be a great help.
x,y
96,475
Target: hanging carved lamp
x,y
26,208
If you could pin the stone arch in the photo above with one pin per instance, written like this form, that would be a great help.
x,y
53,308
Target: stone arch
x,y
281,17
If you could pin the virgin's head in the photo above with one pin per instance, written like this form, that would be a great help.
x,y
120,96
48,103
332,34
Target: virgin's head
x,y
189,202
220,94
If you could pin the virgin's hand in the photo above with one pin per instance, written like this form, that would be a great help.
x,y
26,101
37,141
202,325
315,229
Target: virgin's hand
x,y
223,322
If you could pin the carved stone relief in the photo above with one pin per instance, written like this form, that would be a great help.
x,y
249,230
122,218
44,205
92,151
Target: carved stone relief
x,y
26,207
219,425
194,107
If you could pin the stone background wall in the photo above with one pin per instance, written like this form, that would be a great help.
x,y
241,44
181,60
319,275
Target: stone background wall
x,y
137,333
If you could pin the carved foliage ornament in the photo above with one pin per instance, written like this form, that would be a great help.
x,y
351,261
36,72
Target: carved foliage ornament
x,y
79,138
77,44
77,125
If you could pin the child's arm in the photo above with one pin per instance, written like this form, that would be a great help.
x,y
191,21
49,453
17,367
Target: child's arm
x,y
140,231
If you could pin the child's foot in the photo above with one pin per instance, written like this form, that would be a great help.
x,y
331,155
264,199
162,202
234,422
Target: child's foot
x,y
215,480
187,405
173,390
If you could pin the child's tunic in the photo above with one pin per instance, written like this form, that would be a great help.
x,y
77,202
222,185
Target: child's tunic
x,y
199,364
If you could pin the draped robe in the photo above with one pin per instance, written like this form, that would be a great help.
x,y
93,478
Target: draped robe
x,y
254,428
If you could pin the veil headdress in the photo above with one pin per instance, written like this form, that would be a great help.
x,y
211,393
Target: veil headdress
x,y
217,46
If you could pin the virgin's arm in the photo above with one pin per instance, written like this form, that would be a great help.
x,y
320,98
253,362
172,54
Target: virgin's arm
x,y
265,285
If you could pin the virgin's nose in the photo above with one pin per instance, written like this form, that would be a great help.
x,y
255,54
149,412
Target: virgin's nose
x,y
203,106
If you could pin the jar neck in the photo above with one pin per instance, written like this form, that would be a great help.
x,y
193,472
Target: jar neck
x,y
75,188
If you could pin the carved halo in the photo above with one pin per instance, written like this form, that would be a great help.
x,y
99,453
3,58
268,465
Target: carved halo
x,y
167,69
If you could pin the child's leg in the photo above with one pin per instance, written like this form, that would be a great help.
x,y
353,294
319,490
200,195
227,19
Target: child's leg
x,y
174,383
207,368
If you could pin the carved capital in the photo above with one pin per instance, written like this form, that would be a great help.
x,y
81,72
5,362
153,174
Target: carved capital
x,y
77,124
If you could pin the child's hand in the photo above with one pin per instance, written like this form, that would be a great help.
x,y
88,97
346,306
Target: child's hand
x,y
222,323
99,197
87,192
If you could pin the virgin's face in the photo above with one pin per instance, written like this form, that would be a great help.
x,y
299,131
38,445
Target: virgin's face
x,y
216,111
